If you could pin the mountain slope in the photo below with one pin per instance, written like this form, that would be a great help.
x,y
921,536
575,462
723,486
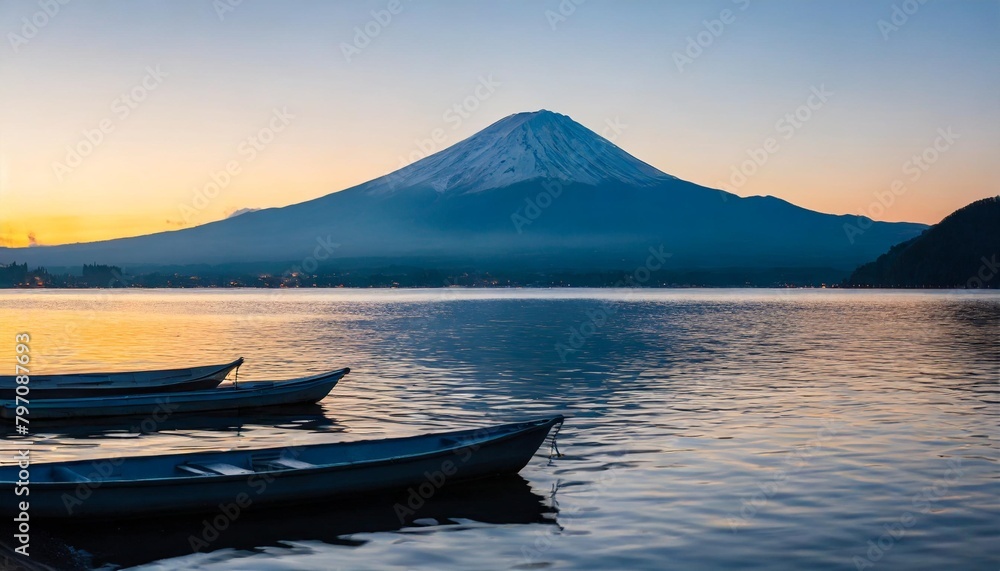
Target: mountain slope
x,y
962,250
531,190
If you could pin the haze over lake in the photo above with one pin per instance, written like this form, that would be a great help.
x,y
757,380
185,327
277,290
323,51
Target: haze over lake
x,y
706,429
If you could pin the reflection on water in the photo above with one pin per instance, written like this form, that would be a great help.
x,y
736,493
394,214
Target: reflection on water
x,y
707,429
494,502
310,417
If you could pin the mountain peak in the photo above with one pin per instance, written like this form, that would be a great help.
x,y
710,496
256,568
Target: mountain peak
x,y
537,145
536,117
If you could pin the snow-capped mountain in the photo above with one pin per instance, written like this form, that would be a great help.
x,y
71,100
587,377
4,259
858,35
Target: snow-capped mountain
x,y
519,148
488,202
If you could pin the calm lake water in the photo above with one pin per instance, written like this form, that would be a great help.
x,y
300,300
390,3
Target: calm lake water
x,y
706,429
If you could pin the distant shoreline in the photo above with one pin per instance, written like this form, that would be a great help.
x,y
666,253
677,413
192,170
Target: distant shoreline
x,y
98,276
499,288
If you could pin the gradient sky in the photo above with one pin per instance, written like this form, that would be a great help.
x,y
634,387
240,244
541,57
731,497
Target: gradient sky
x,y
359,119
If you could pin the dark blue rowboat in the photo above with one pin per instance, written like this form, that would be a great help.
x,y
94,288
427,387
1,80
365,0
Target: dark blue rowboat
x,y
231,397
74,385
202,482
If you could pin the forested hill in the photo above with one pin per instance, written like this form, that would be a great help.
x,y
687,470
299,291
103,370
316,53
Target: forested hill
x,y
963,250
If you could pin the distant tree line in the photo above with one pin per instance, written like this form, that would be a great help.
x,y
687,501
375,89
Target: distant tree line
x,y
962,251
16,275
103,276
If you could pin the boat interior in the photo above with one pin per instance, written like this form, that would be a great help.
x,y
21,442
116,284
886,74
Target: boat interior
x,y
244,463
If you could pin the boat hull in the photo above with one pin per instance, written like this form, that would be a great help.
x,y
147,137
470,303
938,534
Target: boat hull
x,y
86,385
420,475
234,397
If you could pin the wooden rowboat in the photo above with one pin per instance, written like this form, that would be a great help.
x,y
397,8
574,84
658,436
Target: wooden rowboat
x,y
242,479
73,385
245,395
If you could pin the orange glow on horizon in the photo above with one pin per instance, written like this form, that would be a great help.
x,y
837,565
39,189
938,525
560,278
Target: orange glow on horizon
x,y
23,229
68,229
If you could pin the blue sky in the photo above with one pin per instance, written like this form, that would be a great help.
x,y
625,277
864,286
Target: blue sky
x,y
599,62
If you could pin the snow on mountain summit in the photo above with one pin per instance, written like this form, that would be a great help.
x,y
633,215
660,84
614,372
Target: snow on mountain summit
x,y
519,148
